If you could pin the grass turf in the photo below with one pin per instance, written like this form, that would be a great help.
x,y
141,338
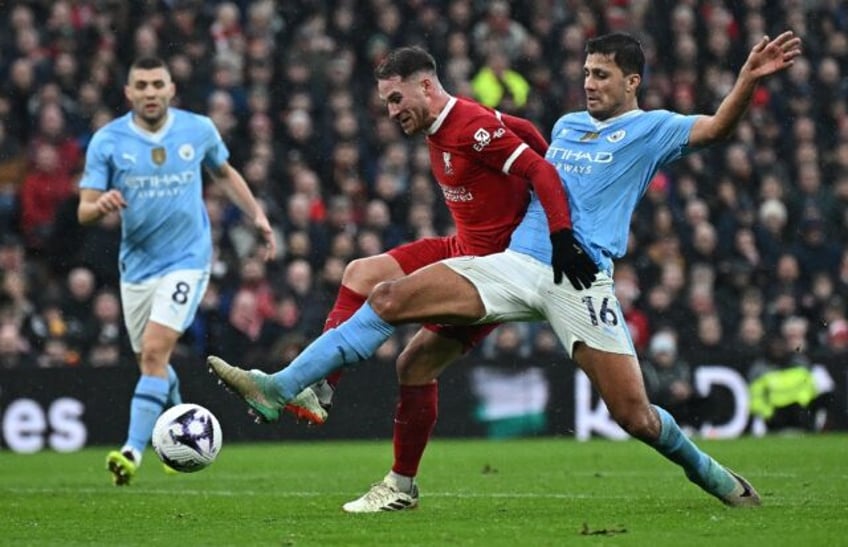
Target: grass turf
x,y
530,492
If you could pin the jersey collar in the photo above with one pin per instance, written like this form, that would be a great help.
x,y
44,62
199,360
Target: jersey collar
x,y
600,124
157,135
442,115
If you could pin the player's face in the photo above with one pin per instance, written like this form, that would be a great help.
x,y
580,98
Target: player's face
x,y
150,92
407,102
608,91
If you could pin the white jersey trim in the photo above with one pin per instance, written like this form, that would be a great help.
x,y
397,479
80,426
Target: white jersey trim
x,y
600,124
153,136
442,115
514,156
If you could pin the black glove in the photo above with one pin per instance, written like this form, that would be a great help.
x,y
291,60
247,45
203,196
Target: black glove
x,y
568,257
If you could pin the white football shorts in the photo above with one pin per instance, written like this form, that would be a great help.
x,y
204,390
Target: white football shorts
x,y
517,287
171,300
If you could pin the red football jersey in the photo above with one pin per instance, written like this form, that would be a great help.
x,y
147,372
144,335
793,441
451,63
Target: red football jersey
x,y
471,152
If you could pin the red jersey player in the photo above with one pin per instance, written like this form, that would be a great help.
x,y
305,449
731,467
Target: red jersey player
x,y
485,163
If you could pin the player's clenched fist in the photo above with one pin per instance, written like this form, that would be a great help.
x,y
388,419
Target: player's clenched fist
x,y
110,201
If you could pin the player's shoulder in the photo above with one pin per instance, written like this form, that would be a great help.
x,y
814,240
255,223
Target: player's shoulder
x,y
183,117
116,126
111,132
579,120
658,122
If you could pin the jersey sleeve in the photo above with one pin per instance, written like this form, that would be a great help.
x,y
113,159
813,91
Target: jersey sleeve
x,y
216,153
527,132
96,173
671,135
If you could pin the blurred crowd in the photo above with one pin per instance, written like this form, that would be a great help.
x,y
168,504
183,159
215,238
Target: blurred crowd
x,y
737,254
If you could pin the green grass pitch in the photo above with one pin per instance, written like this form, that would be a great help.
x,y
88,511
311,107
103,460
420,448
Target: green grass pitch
x,y
520,492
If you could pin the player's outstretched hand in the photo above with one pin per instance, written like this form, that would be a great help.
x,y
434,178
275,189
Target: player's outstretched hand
x,y
569,258
770,56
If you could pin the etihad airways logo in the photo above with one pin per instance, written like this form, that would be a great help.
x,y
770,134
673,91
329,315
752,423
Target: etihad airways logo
x,y
166,185
558,154
165,180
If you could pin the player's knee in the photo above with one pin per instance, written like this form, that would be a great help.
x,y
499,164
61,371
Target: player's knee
x,y
639,422
362,274
355,272
385,301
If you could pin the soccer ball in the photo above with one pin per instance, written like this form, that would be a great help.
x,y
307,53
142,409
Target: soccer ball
x,y
187,437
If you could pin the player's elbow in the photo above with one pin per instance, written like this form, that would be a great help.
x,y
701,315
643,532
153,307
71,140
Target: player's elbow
x,y
710,130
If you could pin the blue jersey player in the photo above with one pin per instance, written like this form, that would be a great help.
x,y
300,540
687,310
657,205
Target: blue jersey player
x,y
605,157
146,165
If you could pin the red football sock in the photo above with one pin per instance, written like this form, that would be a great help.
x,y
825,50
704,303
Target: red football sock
x,y
415,417
346,304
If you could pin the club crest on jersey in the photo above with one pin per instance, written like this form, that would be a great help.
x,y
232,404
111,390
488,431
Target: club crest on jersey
x,y
589,136
186,152
446,157
617,136
158,155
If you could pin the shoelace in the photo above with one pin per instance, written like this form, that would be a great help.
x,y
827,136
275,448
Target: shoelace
x,y
379,491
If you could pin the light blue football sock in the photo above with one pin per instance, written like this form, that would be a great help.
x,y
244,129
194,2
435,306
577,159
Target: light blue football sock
x,y
151,393
354,340
174,396
698,466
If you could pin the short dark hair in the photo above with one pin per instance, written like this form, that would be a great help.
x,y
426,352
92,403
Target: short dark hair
x,y
148,63
405,62
626,51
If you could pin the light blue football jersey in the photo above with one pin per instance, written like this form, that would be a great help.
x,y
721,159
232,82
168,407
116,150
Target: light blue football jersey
x,y
165,226
606,167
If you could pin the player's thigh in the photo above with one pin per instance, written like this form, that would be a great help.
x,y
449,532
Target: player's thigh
x,y
363,274
137,301
157,344
591,326
426,356
508,285
434,294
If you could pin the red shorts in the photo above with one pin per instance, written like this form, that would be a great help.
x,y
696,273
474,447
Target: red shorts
x,y
416,255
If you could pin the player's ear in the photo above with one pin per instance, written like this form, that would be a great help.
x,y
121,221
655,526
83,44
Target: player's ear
x,y
633,81
428,86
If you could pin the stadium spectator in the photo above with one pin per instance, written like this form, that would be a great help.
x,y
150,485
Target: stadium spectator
x,y
44,188
106,342
14,348
669,380
499,86
498,30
